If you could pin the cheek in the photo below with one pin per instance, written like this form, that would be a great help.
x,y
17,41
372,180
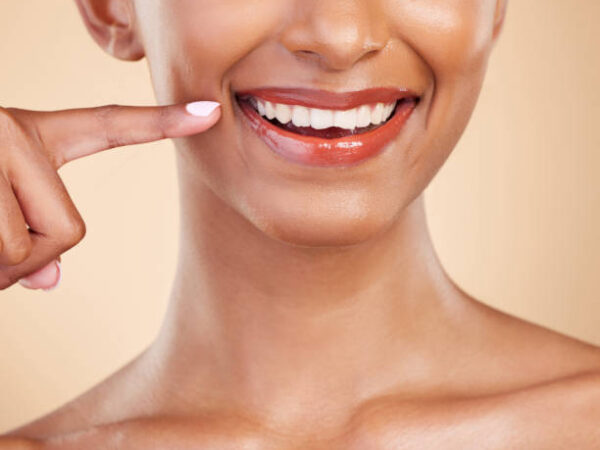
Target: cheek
x,y
192,44
453,37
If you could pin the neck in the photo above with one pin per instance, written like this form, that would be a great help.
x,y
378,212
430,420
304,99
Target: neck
x,y
265,323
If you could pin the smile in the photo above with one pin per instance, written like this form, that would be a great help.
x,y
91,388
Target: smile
x,y
323,128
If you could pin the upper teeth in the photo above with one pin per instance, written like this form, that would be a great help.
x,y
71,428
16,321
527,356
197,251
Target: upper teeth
x,y
319,119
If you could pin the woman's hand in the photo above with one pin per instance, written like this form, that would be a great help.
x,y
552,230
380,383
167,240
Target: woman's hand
x,y
38,220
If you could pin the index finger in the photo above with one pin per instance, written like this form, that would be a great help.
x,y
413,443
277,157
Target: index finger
x,y
73,133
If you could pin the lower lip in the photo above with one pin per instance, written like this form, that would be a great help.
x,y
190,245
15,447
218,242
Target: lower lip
x,y
313,151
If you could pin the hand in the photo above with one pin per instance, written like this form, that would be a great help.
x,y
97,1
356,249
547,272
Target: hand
x,y
38,220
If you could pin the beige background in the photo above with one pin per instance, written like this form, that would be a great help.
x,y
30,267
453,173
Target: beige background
x,y
514,213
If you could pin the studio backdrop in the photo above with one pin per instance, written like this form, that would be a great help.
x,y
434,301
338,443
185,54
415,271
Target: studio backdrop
x,y
514,212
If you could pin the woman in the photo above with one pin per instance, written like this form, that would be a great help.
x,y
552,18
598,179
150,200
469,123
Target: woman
x,y
309,308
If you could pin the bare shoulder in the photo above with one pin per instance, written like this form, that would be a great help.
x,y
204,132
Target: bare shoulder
x,y
557,415
519,353
224,431
101,403
513,382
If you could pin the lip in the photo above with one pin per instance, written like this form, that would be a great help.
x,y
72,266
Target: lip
x,y
314,151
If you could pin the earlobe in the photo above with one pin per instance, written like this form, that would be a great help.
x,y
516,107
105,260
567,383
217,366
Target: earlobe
x,y
499,16
112,25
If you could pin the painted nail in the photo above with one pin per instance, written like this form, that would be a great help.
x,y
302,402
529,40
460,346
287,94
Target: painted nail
x,y
59,269
201,109
26,283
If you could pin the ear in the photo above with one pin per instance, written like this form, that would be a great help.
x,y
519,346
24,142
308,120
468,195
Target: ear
x,y
499,16
112,24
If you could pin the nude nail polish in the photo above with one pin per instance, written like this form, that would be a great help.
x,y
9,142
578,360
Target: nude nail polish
x,y
59,268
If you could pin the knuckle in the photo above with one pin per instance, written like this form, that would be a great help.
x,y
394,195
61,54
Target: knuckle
x,y
9,126
15,134
105,111
73,230
16,251
5,282
105,114
14,122
5,115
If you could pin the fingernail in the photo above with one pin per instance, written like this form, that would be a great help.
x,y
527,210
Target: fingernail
x,y
201,109
59,269
26,283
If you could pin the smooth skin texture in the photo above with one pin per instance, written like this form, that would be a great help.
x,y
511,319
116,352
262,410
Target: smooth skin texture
x,y
309,309
39,220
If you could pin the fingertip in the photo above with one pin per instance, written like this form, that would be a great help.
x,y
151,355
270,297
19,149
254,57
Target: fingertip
x,y
27,283
201,108
58,277
46,278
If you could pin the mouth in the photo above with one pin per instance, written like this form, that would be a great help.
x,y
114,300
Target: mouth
x,y
323,128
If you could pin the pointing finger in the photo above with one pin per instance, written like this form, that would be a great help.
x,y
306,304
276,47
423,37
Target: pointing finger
x,y
73,133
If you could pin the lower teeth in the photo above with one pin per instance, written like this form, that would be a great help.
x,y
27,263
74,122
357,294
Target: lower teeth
x,y
328,133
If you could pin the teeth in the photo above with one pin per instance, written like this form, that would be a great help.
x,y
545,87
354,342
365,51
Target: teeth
x,y
270,110
283,113
261,108
345,119
377,115
301,116
319,119
364,116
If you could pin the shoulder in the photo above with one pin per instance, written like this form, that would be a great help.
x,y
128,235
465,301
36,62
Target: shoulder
x,y
219,431
562,413
509,377
515,353
511,383
559,414
557,404
102,403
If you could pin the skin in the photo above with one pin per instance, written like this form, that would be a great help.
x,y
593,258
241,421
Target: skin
x,y
309,308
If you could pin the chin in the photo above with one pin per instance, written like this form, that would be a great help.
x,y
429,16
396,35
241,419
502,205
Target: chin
x,y
319,234
321,225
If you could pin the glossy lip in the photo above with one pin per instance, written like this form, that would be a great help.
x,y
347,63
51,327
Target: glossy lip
x,y
313,151
318,98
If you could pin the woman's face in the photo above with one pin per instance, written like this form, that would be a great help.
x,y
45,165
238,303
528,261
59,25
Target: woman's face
x,y
211,49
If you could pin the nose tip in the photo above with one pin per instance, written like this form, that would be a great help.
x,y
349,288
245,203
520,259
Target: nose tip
x,y
336,36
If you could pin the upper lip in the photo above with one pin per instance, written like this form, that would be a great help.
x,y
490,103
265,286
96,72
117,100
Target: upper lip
x,y
319,98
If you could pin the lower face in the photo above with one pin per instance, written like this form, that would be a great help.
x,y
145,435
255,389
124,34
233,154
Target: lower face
x,y
330,175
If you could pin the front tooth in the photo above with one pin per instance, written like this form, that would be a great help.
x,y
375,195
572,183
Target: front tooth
x,y
261,108
345,119
363,118
270,110
377,115
321,118
301,116
283,113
